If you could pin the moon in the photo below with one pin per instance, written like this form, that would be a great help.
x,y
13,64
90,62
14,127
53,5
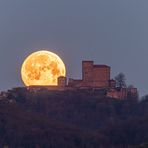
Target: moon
x,y
42,68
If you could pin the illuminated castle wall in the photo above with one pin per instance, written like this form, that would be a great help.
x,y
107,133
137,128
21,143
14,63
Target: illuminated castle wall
x,y
92,76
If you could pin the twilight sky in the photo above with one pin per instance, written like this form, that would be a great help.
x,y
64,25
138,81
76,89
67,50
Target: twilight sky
x,y
112,32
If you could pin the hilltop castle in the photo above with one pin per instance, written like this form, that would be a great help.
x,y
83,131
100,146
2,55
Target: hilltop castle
x,y
95,81
94,77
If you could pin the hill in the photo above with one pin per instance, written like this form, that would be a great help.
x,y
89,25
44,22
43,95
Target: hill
x,y
71,119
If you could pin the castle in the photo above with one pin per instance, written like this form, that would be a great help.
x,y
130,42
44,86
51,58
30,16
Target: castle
x,y
94,77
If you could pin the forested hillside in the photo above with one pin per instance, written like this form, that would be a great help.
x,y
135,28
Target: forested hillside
x,y
71,120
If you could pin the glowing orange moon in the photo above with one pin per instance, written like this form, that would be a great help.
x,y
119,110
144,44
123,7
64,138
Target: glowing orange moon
x,y
42,68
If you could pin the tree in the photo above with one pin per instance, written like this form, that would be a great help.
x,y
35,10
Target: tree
x,y
120,80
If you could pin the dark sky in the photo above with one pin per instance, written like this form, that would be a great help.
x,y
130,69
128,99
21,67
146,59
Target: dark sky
x,y
112,32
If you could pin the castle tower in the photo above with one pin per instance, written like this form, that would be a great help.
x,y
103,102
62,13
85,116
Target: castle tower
x,y
87,72
62,81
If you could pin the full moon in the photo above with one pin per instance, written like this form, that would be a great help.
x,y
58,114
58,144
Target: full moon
x,y
42,68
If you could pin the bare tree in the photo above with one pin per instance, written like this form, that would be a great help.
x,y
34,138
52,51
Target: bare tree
x,y
120,80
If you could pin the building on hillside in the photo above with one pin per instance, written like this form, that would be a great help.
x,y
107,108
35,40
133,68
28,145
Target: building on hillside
x,y
117,93
98,77
94,77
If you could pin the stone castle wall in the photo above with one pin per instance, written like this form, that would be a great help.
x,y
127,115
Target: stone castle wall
x,y
101,76
87,72
92,76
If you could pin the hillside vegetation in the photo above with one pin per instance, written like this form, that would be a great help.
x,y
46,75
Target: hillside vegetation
x,y
71,120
